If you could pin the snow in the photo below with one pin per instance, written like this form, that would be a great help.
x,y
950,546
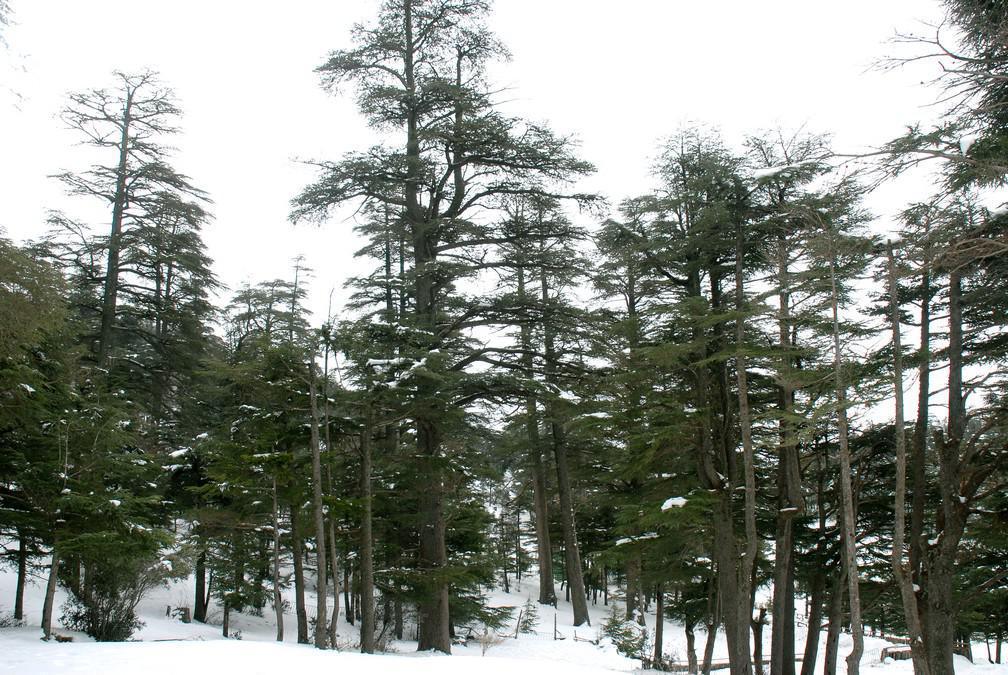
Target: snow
x,y
966,142
114,502
643,537
166,646
178,453
673,502
772,171
28,388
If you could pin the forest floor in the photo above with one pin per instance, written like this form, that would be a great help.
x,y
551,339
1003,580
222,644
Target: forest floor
x,y
166,645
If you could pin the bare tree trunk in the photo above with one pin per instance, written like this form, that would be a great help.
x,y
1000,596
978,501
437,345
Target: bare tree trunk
x,y
199,611
575,580
397,609
575,576
711,625
789,500
277,595
849,525
811,652
331,527
634,605
347,584
903,576
367,625
919,446
321,610
111,290
818,592
22,573
708,655
50,595
939,566
743,608
434,620
691,655
757,636
659,630
299,580
544,547
335,565
830,654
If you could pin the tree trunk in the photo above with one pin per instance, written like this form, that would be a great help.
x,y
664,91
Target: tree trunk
x,y
708,655
575,577
818,590
789,497
367,625
544,548
744,595
397,608
903,576
757,636
849,522
299,580
334,565
818,594
634,606
919,445
434,624
691,656
199,611
321,597
226,623
22,573
659,629
347,583
111,290
830,654
331,528
433,619
50,595
713,619
277,596
572,556
939,565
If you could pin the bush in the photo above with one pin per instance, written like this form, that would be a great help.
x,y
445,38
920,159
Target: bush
x,y
629,637
112,583
105,616
7,620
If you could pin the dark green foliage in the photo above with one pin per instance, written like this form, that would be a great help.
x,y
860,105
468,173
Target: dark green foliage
x,y
529,617
629,637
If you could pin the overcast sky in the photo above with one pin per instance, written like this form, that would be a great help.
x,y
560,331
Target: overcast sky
x,y
617,75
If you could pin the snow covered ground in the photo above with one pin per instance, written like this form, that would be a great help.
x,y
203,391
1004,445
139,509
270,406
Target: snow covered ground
x,y
166,645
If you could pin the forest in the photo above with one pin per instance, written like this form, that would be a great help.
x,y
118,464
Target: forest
x,y
728,399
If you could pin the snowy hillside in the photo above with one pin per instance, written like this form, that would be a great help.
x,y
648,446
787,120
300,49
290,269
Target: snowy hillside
x,y
166,645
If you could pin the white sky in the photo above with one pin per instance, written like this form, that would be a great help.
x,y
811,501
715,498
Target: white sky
x,y
618,75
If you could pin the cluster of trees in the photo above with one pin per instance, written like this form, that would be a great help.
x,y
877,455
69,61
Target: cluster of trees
x,y
688,399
